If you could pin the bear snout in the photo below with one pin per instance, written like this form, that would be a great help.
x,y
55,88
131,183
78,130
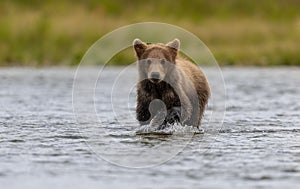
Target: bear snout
x,y
155,75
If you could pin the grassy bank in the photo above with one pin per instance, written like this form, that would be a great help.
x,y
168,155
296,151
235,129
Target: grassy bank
x,y
41,33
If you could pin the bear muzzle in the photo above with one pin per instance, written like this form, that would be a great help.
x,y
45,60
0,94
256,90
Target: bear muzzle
x,y
155,77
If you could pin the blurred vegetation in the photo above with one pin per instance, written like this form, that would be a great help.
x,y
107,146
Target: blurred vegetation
x,y
248,32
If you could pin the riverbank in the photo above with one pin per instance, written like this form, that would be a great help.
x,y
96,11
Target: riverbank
x,y
238,33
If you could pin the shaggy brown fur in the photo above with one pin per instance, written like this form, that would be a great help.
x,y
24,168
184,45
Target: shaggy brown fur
x,y
177,82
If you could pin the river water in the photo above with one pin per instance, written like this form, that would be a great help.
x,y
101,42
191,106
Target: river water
x,y
44,145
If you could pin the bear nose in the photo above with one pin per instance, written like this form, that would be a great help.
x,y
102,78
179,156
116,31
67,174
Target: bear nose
x,y
155,75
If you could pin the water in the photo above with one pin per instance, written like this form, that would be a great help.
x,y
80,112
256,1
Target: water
x,y
43,145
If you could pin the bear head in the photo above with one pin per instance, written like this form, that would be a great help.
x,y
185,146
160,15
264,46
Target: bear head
x,y
156,61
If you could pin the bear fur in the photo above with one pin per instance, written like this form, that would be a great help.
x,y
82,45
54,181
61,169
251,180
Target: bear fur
x,y
169,86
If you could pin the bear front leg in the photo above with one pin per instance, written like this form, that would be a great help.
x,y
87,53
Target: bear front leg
x,y
143,115
186,109
158,112
173,116
142,112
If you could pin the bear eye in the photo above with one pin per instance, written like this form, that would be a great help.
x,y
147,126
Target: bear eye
x,y
162,61
149,61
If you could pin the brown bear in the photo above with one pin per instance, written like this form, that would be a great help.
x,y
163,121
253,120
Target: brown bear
x,y
170,87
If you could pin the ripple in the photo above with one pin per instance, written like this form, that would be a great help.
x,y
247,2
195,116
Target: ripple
x,y
261,131
16,140
69,137
258,178
292,170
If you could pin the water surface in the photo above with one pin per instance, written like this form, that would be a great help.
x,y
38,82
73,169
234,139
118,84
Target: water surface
x,y
43,146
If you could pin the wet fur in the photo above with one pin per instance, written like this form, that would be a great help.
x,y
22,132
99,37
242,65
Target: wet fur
x,y
184,77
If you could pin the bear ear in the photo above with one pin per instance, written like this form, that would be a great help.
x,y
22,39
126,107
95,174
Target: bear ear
x,y
173,47
175,44
139,47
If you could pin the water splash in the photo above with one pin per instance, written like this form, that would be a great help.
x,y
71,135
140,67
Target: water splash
x,y
176,128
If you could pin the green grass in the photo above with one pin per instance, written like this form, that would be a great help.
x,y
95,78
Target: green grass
x,y
250,32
